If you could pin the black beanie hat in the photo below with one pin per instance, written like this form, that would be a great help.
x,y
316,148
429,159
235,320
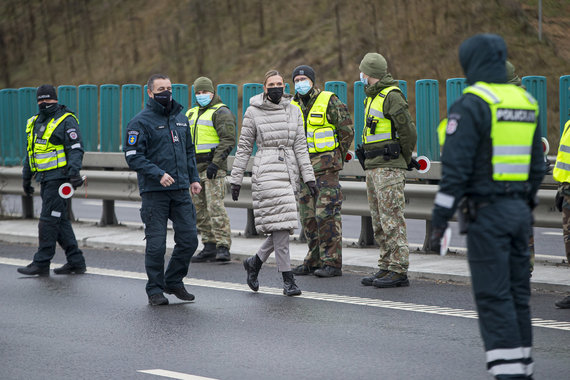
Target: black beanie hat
x,y
306,71
46,91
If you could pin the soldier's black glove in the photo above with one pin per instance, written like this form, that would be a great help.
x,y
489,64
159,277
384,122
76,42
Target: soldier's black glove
x,y
76,181
28,188
435,238
212,171
235,192
313,189
558,201
547,165
413,165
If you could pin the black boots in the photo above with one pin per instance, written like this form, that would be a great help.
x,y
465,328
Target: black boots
x,y
32,269
252,265
289,286
223,254
207,254
67,268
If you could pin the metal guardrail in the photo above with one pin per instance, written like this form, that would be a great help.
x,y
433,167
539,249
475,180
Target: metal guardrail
x,y
108,179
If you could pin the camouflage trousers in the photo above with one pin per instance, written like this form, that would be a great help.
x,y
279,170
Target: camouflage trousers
x,y
211,216
385,190
322,221
566,225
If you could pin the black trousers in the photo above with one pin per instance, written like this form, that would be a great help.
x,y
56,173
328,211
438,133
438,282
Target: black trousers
x,y
157,208
499,259
54,227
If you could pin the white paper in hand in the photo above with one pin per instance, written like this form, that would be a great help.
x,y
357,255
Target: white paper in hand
x,y
445,241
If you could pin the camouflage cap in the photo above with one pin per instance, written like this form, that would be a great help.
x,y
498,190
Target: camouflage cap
x,y
374,65
203,84
512,77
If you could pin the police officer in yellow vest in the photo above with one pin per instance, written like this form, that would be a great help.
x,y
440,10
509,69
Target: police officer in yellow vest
x,y
212,125
55,155
389,137
329,132
561,173
493,157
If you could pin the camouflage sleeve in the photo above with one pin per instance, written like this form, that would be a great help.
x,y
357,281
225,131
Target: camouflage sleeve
x,y
224,123
396,109
338,115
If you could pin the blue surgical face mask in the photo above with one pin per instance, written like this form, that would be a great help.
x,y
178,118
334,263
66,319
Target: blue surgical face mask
x,y
302,87
203,99
363,80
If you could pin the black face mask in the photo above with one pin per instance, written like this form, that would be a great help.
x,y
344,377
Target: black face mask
x,y
164,98
47,108
274,94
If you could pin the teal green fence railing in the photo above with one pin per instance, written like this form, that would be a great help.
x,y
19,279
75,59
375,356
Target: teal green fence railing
x,y
105,111
110,118
427,118
564,88
536,85
87,115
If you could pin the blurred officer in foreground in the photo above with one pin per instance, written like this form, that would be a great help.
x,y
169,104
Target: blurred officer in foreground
x,y
561,173
329,133
212,125
492,161
388,137
159,148
55,155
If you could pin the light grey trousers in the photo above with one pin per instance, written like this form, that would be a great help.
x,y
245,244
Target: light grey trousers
x,y
278,241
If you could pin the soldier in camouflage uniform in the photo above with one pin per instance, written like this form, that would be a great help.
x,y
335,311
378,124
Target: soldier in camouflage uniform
x,y
213,131
389,137
330,133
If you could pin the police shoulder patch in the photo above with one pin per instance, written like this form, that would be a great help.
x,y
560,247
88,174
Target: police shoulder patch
x,y
132,137
72,132
451,126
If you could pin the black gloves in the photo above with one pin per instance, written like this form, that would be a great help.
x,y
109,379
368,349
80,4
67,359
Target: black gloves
x,y
235,192
413,165
435,238
212,171
313,188
28,188
76,181
558,201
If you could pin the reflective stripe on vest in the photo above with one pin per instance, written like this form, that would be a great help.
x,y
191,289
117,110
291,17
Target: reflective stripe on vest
x,y
375,110
561,172
321,135
204,134
514,121
42,154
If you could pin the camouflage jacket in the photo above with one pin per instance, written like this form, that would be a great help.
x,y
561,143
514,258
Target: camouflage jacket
x,y
224,123
337,115
395,109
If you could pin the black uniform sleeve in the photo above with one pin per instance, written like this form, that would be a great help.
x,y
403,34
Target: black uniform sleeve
x,y
459,155
135,148
537,166
193,175
73,145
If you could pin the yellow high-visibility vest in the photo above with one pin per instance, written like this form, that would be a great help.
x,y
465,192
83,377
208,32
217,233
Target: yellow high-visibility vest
x,y
42,154
204,134
514,115
382,129
321,135
561,172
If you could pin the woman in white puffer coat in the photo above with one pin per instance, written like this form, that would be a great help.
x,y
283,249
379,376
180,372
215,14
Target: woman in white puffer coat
x,y
277,127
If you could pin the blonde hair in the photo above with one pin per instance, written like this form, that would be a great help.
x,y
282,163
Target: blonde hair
x,y
271,73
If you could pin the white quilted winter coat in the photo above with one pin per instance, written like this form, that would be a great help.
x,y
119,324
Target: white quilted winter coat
x,y
282,153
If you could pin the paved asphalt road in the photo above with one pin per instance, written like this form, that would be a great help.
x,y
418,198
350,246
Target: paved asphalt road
x,y
548,241
99,326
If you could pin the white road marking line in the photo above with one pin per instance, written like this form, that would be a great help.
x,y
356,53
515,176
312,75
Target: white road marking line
x,y
349,300
173,375
553,233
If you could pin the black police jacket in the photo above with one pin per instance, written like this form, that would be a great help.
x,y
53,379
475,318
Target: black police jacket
x,y
157,142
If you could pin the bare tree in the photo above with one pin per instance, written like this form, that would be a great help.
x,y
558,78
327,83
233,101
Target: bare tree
x,y
338,34
260,17
47,39
199,22
4,60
